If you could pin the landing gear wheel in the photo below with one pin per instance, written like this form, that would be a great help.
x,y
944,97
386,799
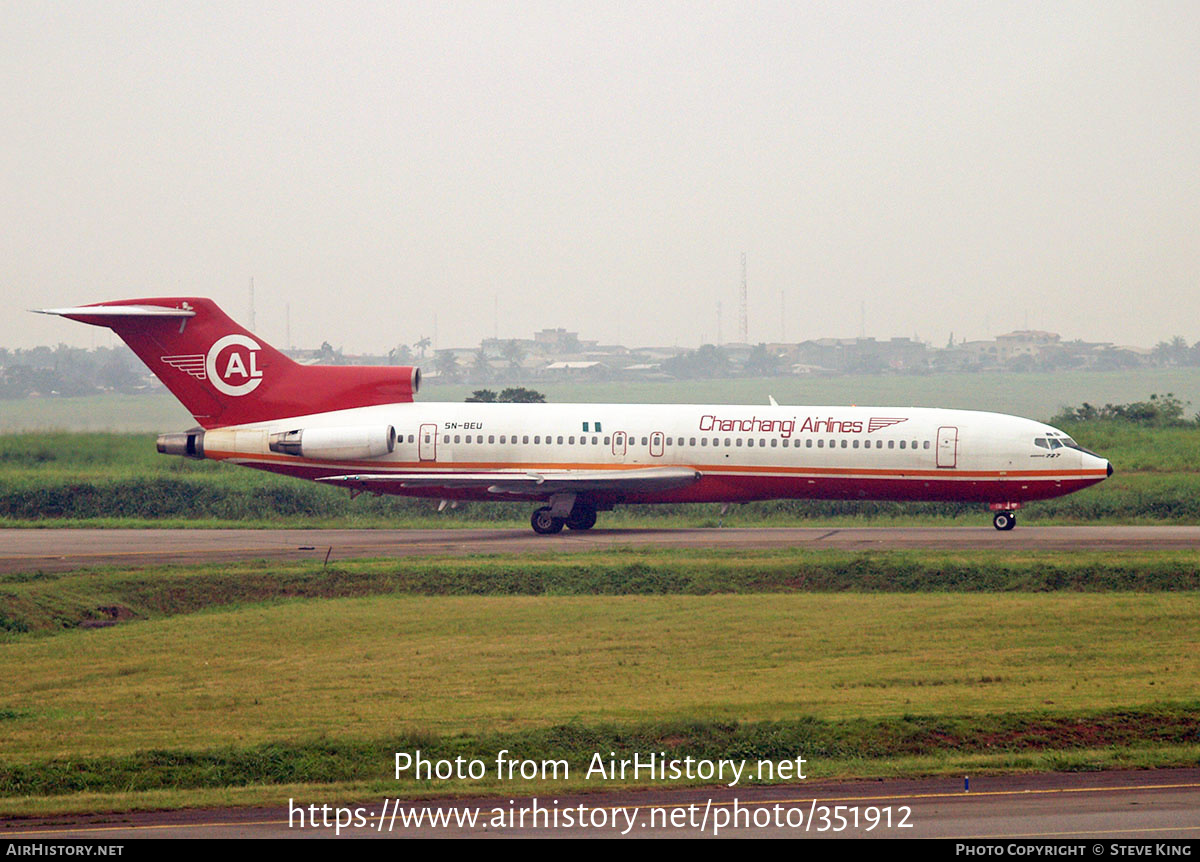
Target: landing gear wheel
x,y
1004,520
545,523
582,518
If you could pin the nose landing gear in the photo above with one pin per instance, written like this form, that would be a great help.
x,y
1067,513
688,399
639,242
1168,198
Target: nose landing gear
x,y
1004,515
1004,520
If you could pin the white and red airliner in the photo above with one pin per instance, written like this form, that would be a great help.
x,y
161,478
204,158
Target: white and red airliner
x,y
359,427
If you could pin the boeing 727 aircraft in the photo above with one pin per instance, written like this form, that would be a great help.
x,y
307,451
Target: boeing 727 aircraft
x,y
358,427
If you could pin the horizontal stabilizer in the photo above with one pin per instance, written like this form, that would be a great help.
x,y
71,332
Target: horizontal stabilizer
x,y
226,375
107,311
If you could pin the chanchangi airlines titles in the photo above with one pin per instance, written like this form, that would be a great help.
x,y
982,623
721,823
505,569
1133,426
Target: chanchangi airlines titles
x,y
786,427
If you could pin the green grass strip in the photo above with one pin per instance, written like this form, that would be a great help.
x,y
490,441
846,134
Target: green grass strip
x,y
47,602
871,740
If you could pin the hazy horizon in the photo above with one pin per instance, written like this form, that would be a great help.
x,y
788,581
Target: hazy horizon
x,y
903,169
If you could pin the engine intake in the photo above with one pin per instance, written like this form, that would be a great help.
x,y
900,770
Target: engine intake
x,y
358,441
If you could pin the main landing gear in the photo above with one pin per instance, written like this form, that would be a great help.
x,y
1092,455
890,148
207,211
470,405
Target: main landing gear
x,y
1004,520
582,517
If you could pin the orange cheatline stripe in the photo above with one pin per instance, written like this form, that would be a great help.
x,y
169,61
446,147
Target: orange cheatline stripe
x,y
750,469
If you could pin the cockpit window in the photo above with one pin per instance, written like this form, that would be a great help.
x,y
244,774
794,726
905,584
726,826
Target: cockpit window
x,y
1063,442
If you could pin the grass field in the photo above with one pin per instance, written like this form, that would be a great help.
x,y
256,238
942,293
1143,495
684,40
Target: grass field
x,y
443,666
254,684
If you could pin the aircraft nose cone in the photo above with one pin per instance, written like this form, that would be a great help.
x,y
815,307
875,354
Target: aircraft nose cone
x,y
1110,469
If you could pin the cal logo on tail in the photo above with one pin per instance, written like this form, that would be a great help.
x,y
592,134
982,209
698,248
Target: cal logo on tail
x,y
238,355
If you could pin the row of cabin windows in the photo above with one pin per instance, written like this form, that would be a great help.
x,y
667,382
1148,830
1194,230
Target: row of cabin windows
x,y
691,441
512,440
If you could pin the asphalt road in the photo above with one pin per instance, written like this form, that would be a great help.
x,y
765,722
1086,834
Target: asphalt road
x,y
1129,807
61,550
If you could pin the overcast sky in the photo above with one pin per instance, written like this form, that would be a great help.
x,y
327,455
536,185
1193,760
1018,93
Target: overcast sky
x,y
917,168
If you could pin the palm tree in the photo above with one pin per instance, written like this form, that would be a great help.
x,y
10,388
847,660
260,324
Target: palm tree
x,y
481,370
514,353
401,354
447,365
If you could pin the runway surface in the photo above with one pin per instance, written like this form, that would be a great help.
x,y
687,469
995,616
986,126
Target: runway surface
x,y
62,550
1134,806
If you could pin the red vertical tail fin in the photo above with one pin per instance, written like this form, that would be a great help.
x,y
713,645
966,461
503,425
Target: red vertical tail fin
x,y
225,375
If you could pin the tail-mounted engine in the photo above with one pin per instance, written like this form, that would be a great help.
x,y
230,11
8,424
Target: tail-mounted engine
x,y
362,441
189,444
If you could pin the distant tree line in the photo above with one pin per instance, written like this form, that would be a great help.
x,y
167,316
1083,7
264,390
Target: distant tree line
x,y
514,395
64,370
1176,352
710,361
1160,411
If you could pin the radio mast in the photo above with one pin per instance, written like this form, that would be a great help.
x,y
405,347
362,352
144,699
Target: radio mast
x,y
743,321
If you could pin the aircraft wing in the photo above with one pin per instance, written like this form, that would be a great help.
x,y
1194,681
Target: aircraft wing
x,y
538,482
